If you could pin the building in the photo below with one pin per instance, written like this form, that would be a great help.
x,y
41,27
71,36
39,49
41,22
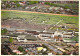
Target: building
x,y
58,38
46,36
4,36
20,31
68,35
21,38
44,49
64,34
17,52
77,44
33,32
57,33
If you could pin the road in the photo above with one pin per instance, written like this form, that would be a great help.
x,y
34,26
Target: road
x,y
28,42
32,42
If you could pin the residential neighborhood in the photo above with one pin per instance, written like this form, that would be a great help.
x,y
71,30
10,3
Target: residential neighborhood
x,y
43,6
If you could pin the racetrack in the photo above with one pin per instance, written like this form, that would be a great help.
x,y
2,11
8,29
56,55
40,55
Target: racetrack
x,y
41,13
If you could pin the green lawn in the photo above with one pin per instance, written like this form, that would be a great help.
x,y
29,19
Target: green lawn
x,y
39,18
73,39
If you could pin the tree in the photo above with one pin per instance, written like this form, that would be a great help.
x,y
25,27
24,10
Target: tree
x,y
11,39
20,49
8,5
3,52
18,5
57,54
64,53
3,31
33,2
14,54
44,52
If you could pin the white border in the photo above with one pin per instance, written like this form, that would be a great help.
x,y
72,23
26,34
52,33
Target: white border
x,y
39,55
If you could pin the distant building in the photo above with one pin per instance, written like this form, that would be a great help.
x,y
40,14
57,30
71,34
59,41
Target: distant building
x,y
5,26
33,32
20,30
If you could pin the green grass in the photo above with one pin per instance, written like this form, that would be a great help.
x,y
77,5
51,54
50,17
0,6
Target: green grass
x,y
39,18
73,39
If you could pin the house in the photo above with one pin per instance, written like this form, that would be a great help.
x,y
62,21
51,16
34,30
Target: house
x,y
17,52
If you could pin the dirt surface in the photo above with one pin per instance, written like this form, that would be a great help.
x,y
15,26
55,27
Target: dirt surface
x,y
41,13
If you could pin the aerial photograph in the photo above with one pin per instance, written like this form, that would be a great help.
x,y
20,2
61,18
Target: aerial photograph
x,y
39,27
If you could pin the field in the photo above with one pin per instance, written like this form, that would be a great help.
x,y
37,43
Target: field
x,y
41,18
